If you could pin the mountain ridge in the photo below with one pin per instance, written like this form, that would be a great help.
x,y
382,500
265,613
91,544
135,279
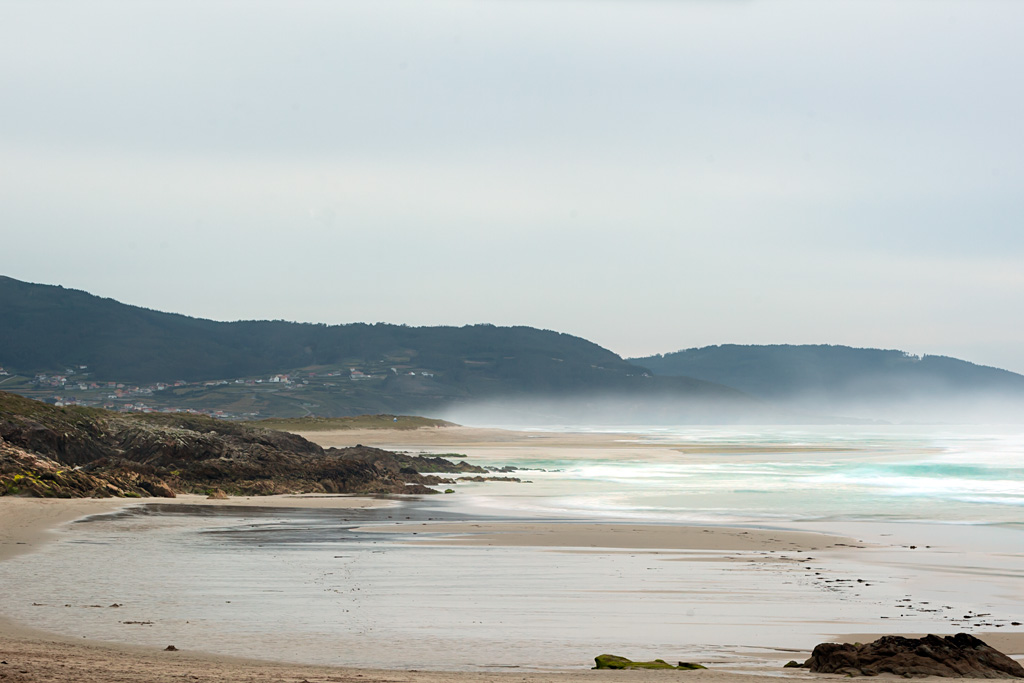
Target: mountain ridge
x,y
325,370
89,350
851,380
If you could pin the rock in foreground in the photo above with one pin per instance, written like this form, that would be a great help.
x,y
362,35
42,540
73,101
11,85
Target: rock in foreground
x,y
616,662
959,656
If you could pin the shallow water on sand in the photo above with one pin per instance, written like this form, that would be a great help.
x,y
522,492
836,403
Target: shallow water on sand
x,y
299,585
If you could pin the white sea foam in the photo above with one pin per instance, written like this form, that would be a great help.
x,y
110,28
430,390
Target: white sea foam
x,y
879,473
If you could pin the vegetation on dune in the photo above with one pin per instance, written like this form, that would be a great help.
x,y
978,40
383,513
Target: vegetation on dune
x,y
380,421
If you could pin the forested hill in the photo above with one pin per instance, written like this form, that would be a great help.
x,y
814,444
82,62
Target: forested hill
x,y
853,381
48,327
358,368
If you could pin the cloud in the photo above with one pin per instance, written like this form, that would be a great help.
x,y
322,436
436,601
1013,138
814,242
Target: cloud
x,y
652,175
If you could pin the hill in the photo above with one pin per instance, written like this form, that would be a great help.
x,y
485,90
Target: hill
x,y
866,383
51,327
102,352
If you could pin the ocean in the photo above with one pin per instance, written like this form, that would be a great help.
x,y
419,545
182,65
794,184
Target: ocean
x,y
937,511
965,475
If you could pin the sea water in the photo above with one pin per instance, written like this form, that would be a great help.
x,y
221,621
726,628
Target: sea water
x,y
966,475
302,585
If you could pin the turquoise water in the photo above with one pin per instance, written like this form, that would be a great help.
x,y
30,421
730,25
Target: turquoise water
x,y
876,474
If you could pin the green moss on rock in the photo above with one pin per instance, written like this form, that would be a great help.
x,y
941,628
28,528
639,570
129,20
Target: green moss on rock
x,y
616,662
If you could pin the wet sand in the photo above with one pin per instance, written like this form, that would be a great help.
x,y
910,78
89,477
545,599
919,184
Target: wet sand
x,y
33,655
614,536
25,523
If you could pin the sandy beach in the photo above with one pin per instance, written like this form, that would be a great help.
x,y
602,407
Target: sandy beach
x,y
29,654
473,440
703,550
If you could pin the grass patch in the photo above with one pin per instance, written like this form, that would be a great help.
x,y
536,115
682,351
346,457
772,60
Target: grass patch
x,y
322,424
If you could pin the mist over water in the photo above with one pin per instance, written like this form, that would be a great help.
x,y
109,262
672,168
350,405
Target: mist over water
x,y
875,403
936,404
725,474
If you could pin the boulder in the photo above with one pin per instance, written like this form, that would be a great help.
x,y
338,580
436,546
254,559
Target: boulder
x,y
959,656
158,489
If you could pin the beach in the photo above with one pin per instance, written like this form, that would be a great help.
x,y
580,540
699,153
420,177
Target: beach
x,y
30,654
742,597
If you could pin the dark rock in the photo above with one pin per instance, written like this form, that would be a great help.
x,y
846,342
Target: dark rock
x,y
426,464
792,664
158,489
690,666
85,452
959,656
170,648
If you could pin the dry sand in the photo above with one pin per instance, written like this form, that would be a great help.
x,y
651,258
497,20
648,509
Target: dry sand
x,y
42,661
472,440
459,439
25,523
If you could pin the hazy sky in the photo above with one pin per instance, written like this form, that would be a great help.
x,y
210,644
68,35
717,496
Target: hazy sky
x,y
648,175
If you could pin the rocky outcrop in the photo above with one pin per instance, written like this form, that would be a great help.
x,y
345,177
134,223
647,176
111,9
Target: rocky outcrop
x,y
69,452
30,474
479,478
959,656
427,463
616,662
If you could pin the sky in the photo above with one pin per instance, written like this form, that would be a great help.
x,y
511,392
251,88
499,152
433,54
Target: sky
x,y
649,175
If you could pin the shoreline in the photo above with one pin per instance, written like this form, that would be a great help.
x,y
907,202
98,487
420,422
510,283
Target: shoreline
x,y
35,521
28,524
